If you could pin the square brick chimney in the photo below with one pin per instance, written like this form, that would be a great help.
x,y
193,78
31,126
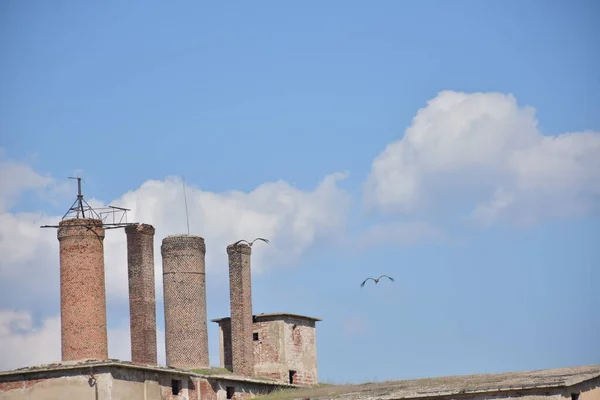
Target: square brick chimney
x,y
240,292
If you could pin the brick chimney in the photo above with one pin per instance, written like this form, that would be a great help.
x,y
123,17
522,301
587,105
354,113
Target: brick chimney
x,y
142,303
82,290
240,291
184,284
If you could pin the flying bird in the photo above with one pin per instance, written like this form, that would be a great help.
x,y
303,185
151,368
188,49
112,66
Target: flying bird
x,y
252,242
376,280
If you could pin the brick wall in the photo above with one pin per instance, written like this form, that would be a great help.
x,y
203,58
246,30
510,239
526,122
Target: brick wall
x,y
300,350
240,290
142,303
184,286
269,356
82,290
280,348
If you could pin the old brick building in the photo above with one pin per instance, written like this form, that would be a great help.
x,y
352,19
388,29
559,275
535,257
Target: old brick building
x,y
284,347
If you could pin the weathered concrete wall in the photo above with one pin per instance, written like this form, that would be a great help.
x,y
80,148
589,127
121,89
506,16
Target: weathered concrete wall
x,y
118,384
240,293
217,389
82,290
184,283
589,390
142,304
149,385
51,387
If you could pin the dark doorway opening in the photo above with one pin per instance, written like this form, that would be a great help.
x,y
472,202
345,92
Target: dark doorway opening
x,y
230,391
176,386
292,376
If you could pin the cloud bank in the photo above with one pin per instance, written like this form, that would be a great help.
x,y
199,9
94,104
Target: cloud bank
x,y
483,155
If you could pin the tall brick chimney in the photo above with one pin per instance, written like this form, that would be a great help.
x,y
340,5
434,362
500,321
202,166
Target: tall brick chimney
x,y
184,284
240,292
142,303
82,290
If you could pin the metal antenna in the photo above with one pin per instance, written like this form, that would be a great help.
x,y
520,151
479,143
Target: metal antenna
x,y
187,218
81,210
79,195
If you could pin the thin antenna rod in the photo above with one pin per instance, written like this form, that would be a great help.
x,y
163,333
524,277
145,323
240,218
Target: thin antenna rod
x,y
187,218
79,195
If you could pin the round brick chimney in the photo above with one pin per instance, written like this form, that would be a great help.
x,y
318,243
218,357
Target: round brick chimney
x,y
184,285
82,289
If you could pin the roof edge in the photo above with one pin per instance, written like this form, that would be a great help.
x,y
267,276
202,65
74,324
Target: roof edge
x,y
271,315
146,367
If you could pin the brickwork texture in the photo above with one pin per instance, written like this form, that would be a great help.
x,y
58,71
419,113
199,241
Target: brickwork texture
x,y
301,350
240,292
82,290
283,344
142,302
184,285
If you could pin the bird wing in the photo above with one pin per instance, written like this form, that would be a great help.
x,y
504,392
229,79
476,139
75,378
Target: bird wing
x,y
365,281
264,240
240,241
389,277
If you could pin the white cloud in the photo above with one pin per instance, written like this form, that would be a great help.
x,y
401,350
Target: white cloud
x,y
292,219
17,178
484,153
23,343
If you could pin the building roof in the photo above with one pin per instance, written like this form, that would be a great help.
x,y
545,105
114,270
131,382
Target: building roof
x,y
273,315
453,385
86,364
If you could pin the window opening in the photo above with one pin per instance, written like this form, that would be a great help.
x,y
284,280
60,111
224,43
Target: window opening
x,y
255,336
292,376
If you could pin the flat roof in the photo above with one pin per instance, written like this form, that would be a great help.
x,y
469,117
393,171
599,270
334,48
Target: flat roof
x,y
273,315
86,364
452,386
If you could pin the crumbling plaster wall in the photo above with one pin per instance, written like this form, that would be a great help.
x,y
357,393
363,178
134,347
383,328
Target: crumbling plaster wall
x,y
300,350
121,383
282,345
269,350
52,386
217,389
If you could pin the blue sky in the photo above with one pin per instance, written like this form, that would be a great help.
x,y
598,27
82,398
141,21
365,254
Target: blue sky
x,y
232,96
